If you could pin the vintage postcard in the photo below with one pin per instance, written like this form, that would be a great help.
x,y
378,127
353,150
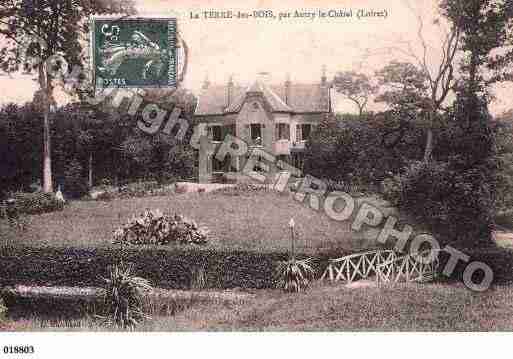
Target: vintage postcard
x,y
259,166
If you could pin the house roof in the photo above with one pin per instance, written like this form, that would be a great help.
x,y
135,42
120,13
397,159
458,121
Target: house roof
x,y
304,98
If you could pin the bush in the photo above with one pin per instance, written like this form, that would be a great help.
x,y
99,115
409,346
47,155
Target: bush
x,y
123,298
456,204
153,227
139,189
3,310
165,268
242,188
361,151
505,218
105,196
75,184
36,203
295,275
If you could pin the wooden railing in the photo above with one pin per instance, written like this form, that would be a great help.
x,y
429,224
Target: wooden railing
x,y
419,267
357,266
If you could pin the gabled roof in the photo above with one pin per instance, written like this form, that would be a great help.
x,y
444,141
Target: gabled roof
x,y
304,98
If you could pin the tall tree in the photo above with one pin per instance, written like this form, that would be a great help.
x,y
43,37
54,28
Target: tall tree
x,y
42,29
437,62
356,87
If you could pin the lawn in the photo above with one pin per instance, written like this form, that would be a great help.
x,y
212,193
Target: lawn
x,y
405,307
253,221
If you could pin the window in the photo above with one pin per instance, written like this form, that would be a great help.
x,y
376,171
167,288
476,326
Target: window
x,y
303,131
217,166
256,133
217,133
255,106
282,131
230,130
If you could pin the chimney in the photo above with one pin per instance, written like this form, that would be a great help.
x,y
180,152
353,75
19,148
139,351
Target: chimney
x,y
287,90
229,91
323,76
206,83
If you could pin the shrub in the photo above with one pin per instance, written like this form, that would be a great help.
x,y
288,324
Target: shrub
x,y
138,189
505,218
3,310
153,227
75,184
105,196
198,278
242,188
36,203
361,150
456,204
123,298
295,275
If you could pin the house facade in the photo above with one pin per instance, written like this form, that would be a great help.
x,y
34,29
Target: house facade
x,y
275,117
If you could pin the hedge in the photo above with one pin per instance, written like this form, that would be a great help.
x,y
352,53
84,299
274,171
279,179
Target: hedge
x,y
164,268
173,269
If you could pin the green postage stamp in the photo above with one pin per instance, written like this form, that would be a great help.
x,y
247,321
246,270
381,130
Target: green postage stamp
x,y
134,52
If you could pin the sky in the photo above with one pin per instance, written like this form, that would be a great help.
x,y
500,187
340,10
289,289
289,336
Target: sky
x,y
295,47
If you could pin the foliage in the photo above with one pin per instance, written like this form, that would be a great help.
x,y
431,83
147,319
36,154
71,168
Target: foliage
x,y
3,310
402,85
486,26
295,275
454,203
356,87
153,227
105,196
241,189
124,297
361,151
21,153
36,203
198,278
138,189
504,140
33,33
75,184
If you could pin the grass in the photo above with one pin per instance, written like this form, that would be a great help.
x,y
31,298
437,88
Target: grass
x,y
254,221
258,222
405,307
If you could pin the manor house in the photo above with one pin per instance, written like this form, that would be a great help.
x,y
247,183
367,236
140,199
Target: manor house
x,y
276,117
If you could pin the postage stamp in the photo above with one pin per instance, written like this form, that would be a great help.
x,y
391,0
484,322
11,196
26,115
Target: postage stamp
x,y
134,52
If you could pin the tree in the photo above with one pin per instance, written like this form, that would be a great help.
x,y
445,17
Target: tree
x,y
403,87
42,29
438,71
486,26
356,87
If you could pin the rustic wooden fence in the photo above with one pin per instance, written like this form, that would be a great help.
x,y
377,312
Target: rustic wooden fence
x,y
357,266
386,265
419,267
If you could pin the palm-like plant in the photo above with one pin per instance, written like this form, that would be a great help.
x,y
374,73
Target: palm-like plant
x,y
295,275
123,297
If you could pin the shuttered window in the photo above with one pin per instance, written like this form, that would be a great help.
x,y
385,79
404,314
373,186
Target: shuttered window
x,y
282,131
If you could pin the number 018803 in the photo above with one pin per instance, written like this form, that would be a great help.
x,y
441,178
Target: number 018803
x,y
18,349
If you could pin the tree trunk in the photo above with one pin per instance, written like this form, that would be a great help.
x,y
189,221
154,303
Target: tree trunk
x,y
429,145
90,171
47,150
428,150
